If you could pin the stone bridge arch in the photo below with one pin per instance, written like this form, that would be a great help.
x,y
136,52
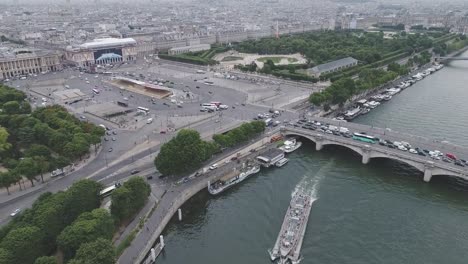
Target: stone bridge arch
x,y
419,166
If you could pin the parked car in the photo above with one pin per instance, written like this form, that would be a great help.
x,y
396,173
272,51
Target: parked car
x,y
214,166
15,212
133,172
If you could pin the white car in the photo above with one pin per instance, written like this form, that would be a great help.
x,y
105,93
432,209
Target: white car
x,y
413,151
400,147
15,213
223,106
214,166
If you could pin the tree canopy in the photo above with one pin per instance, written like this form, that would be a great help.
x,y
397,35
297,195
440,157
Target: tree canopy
x,y
32,143
240,134
128,199
34,232
87,228
99,251
184,152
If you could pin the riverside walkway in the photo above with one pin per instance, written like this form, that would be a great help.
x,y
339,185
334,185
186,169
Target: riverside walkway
x,y
176,196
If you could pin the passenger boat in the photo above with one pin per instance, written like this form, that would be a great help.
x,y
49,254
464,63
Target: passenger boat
x,y
387,97
351,114
221,185
373,104
365,111
290,145
281,162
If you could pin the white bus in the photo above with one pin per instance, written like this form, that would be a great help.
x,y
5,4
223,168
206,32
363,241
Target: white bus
x,y
143,109
107,191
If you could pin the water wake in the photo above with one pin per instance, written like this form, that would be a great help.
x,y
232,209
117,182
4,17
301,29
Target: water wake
x,y
310,184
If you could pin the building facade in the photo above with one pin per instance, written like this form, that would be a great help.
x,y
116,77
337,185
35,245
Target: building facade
x,y
23,62
102,51
187,49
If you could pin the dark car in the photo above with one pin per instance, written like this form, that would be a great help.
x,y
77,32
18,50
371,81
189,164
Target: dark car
x,y
234,158
458,163
391,146
198,87
133,172
421,153
149,177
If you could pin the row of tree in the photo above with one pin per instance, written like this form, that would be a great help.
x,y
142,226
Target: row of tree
x,y
32,143
343,89
42,229
240,134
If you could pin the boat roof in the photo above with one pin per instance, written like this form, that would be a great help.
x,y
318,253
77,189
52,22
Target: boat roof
x,y
270,154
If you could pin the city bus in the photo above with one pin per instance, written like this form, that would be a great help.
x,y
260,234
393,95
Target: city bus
x,y
364,138
143,109
96,91
107,191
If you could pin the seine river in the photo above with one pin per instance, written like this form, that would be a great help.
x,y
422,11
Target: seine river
x,y
377,213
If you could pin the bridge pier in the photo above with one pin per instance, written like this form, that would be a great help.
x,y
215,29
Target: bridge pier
x,y
427,174
365,158
366,154
428,171
318,145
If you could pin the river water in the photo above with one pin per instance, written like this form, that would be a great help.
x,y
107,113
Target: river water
x,y
377,213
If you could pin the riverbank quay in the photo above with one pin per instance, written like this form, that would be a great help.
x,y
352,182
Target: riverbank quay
x,y
177,195
336,110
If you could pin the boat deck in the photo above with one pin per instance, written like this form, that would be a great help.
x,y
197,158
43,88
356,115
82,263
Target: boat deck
x,y
289,241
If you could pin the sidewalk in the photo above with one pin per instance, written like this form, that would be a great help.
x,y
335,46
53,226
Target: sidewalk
x,y
16,193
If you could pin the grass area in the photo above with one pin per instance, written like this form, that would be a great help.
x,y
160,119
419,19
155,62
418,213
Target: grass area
x,y
126,242
231,58
277,59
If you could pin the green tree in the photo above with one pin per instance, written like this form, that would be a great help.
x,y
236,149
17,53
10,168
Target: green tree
x,y
28,168
129,198
87,228
100,251
5,256
12,107
37,150
182,153
6,180
4,145
46,260
24,244
43,165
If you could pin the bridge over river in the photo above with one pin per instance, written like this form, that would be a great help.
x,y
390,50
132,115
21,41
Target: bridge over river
x,y
430,167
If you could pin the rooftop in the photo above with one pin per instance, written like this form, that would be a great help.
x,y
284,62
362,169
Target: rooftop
x,y
333,65
108,42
